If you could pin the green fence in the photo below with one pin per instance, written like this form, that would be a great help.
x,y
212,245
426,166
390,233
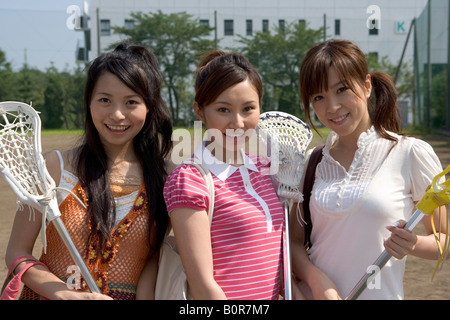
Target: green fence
x,y
431,65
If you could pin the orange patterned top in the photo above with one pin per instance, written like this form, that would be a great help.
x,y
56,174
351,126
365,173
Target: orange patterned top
x,y
117,268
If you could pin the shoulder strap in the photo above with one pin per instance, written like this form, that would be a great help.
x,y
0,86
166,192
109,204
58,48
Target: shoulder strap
x,y
314,160
209,182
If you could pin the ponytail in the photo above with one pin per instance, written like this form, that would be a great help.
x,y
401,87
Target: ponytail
x,y
351,66
384,111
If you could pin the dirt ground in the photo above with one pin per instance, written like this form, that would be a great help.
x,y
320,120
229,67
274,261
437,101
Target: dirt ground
x,y
417,283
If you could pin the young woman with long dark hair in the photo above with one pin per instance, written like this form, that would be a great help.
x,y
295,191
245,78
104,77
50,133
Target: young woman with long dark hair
x,y
118,172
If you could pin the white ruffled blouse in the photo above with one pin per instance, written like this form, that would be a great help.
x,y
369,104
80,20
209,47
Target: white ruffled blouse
x,y
350,209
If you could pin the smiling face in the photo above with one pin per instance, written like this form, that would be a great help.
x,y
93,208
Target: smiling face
x,y
234,115
341,109
118,112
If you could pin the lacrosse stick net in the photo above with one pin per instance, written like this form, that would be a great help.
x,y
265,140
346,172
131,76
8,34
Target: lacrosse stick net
x,y
437,195
286,138
23,167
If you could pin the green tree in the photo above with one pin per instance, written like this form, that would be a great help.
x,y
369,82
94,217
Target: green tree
x,y
176,39
30,86
7,88
404,78
277,54
439,98
404,82
57,95
73,83
4,65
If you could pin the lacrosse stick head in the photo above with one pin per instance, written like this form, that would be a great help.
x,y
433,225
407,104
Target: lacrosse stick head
x,y
286,138
21,161
438,194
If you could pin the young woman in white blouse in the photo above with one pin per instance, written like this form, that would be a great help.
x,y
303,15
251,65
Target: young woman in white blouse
x,y
366,184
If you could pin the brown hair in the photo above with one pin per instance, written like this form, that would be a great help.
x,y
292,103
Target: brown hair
x,y
352,69
218,71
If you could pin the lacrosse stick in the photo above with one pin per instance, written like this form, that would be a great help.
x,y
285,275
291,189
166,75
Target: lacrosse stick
x,y
287,138
24,169
436,196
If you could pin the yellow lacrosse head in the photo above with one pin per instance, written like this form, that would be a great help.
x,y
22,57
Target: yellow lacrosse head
x,y
437,194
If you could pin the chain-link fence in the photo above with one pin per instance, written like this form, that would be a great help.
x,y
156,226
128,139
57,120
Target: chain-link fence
x,y
431,64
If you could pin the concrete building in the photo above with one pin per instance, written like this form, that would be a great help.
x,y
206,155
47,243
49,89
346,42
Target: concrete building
x,y
377,26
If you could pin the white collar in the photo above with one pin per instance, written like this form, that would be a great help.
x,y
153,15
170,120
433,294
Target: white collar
x,y
219,168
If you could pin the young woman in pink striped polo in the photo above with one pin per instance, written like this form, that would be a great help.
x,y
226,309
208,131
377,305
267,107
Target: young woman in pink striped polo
x,y
239,255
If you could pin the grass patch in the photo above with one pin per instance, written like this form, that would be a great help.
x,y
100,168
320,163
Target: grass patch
x,y
415,130
61,132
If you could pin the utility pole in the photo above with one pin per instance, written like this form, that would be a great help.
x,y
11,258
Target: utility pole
x,y
413,22
447,122
428,106
83,53
215,29
99,49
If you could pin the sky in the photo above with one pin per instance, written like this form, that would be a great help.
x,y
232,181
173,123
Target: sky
x,y
36,30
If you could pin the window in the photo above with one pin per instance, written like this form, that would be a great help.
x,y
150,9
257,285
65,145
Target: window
x,y
204,22
302,23
373,30
80,54
229,27
83,22
337,27
249,26
282,25
129,24
265,25
105,27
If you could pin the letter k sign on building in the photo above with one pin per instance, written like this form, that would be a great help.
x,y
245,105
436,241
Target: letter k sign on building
x,y
401,27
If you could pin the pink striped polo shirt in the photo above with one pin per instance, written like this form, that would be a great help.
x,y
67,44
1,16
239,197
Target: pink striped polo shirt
x,y
247,225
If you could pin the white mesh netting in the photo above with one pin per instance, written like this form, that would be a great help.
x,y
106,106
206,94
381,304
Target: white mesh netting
x,y
287,139
18,154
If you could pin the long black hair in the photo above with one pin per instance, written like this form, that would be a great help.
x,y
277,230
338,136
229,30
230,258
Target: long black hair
x,y
138,68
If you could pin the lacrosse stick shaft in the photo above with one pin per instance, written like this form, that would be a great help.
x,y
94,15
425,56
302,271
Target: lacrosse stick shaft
x,y
436,195
381,260
62,231
287,257
287,138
